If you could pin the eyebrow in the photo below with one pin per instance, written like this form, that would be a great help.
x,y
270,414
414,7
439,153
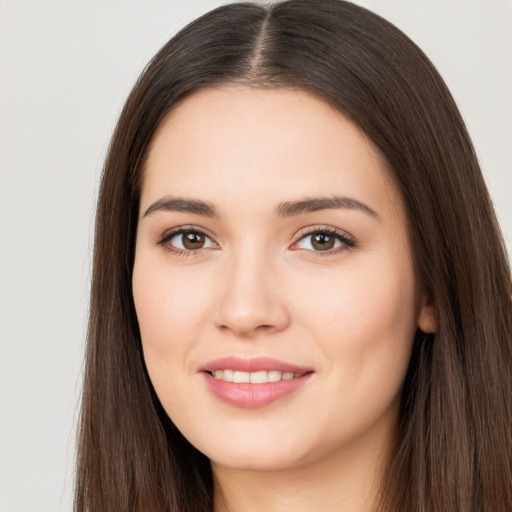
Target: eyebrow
x,y
313,204
285,209
179,204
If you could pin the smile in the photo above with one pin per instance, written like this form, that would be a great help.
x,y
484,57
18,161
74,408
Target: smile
x,y
260,377
252,383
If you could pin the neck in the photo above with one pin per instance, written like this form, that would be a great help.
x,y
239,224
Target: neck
x,y
345,479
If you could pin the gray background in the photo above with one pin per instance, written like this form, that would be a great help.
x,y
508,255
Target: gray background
x,y
66,67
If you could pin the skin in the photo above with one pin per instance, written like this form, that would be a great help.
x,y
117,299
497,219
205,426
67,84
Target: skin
x,y
259,287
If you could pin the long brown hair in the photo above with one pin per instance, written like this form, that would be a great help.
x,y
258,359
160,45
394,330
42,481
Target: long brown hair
x,y
453,449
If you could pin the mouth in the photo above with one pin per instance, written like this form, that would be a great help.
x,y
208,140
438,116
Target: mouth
x,y
260,377
252,383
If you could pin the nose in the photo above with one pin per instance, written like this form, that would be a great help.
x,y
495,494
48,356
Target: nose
x,y
252,300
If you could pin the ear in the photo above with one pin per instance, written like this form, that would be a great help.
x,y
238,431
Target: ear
x,y
427,320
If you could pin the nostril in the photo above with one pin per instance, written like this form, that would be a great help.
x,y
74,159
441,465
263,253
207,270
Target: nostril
x,y
251,312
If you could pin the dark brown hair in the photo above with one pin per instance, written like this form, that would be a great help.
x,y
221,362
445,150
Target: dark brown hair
x,y
453,448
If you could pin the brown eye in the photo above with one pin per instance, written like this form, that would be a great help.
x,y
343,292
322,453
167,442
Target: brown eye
x,y
186,240
322,241
192,240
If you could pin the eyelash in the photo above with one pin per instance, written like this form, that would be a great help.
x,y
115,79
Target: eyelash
x,y
180,230
346,240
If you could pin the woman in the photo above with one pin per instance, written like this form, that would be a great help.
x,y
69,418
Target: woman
x,y
300,294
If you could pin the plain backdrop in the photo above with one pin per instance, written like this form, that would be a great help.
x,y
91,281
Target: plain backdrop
x,y
66,67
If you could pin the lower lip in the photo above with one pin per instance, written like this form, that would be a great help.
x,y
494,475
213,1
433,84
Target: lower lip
x,y
254,395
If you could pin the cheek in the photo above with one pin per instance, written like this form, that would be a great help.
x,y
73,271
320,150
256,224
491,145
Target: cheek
x,y
365,324
369,296
170,309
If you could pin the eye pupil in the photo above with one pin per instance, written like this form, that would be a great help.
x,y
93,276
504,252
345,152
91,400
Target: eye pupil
x,y
193,240
322,242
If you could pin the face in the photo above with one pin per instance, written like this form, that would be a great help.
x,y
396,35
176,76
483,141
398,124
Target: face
x,y
273,281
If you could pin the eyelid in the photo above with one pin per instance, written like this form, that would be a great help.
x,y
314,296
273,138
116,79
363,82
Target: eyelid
x,y
347,240
172,232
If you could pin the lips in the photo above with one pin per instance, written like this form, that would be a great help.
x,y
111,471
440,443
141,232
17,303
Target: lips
x,y
253,382
255,364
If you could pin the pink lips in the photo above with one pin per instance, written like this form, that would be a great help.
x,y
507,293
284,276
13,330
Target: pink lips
x,y
253,395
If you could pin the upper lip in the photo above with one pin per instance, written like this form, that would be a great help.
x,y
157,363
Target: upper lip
x,y
255,364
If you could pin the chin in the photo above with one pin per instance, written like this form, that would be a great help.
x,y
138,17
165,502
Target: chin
x,y
252,459
261,447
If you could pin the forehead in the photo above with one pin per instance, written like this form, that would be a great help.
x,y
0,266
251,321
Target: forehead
x,y
224,143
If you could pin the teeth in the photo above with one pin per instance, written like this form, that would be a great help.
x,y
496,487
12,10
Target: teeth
x,y
258,377
273,376
242,377
261,377
228,375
